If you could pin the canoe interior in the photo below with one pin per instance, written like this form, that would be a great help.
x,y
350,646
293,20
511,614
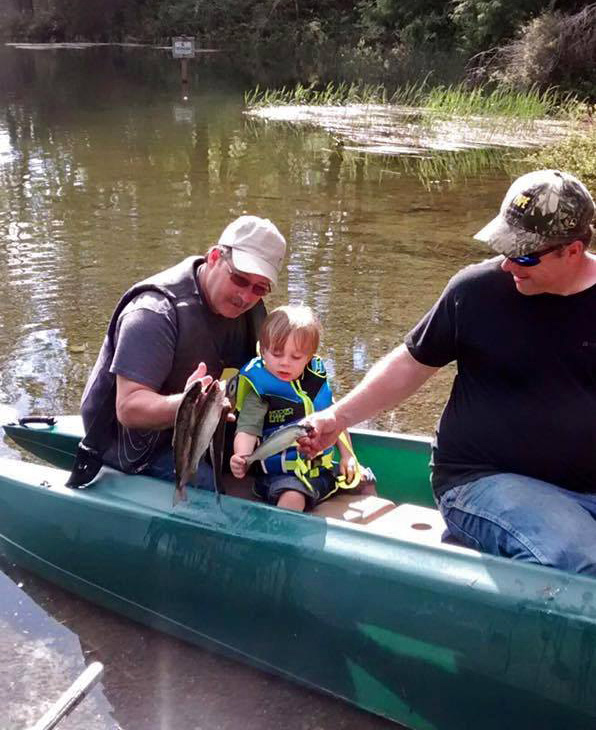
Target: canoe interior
x,y
400,462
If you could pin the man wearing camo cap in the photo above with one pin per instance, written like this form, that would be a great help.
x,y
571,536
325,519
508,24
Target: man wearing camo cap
x,y
514,459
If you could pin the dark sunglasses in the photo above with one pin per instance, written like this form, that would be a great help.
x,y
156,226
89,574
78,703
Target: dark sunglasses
x,y
259,290
532,259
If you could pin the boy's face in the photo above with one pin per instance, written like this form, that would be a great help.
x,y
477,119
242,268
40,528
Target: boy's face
x,y
288,363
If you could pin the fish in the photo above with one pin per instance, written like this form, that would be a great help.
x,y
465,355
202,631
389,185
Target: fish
x,y
280,440
201,415
217,445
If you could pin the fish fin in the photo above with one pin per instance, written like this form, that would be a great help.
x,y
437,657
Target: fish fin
x,y
216,449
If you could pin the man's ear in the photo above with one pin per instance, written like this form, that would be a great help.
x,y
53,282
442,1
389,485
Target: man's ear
x,y
575,249
213,255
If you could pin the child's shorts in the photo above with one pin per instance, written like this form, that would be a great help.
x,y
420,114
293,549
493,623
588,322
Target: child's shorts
x,y
270,487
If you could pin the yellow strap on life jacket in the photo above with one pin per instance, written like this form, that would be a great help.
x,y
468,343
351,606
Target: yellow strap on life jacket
x,y
304,468
342,484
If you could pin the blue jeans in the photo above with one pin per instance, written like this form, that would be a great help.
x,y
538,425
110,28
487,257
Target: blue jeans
x,y
162,467
524,519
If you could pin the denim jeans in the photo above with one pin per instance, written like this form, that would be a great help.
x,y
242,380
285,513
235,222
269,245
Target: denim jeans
x,y
162,467
524,519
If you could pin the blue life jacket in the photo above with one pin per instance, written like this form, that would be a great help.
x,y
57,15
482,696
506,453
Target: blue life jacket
x,y
288,402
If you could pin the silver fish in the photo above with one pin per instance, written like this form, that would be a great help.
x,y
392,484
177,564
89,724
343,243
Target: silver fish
x,y
199,414
281,440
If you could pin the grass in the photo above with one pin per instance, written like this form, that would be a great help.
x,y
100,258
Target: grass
x,y
330,95
500,102
576,154
455,100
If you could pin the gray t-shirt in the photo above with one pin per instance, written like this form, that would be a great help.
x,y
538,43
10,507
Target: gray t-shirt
x,y
145,346
146,340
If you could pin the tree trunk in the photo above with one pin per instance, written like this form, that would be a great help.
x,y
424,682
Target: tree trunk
x,y
25,7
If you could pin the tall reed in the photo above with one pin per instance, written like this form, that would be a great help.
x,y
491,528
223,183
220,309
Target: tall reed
x,y
456,100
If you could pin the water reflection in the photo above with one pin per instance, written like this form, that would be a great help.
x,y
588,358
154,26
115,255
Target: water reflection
x,y
396,130
150,680
41,657
108,181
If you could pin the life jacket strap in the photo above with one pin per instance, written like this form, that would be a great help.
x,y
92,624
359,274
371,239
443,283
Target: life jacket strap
x,y
341,480
306,469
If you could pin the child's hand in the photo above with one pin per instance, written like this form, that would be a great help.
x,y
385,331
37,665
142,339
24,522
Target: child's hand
x,y
347,467
238,465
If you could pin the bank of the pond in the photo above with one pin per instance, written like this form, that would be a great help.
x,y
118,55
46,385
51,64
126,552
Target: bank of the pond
x,y
390,129
576,154
416,119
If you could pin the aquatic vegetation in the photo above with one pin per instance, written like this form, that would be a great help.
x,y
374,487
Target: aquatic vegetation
x,y
417,118
576,154
455,100
501,101
332,95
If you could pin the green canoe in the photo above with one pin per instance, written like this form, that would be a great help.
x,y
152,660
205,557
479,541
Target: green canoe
x,y
361,600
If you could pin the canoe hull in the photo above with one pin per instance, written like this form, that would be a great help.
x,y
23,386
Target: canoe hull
x,y
431,638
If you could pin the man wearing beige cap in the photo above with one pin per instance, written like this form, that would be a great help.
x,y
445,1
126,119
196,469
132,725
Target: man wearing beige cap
x,y
191,321
514,459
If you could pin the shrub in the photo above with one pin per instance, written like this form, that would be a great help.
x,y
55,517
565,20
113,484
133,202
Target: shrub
x,y
551,50
483,24
577,155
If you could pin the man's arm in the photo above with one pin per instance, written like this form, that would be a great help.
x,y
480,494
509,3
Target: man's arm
x,y
387,384
138,406
141,407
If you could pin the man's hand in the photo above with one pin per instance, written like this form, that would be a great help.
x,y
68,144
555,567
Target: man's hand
x,y
199,374
325,433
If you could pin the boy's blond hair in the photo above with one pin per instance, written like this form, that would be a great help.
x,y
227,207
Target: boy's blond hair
x,y
296,320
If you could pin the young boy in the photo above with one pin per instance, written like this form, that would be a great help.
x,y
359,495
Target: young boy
x,y
281,386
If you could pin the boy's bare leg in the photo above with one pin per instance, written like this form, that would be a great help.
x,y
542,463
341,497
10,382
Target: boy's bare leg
x,y
292,500
368,489
368,483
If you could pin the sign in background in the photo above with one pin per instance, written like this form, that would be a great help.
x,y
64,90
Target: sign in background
x,y
183,47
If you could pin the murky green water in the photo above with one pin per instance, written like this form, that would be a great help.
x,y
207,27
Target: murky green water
x,y
107,175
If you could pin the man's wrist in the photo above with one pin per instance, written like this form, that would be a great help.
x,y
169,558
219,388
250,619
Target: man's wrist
x,y
341,421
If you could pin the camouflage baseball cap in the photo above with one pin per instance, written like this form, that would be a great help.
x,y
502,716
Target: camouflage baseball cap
x,y
541,209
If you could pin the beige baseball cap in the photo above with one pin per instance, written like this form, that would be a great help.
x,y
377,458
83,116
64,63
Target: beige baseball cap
x,y
256,244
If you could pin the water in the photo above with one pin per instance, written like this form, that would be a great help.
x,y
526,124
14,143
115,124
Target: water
x,y
107,175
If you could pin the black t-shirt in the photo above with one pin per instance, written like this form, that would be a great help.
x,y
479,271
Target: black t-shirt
x,y
524,397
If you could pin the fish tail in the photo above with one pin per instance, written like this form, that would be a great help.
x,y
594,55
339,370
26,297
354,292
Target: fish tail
x,y
179,494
